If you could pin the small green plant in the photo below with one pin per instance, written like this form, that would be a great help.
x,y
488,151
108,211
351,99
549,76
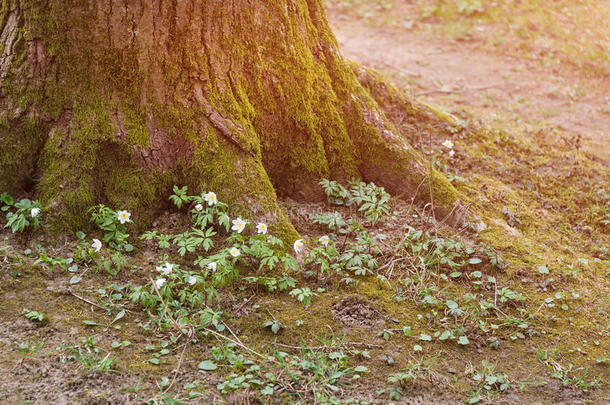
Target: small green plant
x,y
34,316
412,372
274,325
86,252
27,213
371,200
304,295
51,262
114,224
30,348
89,355
567,376
489,382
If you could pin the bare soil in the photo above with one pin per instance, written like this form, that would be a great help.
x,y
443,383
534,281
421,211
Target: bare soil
x,y
502,90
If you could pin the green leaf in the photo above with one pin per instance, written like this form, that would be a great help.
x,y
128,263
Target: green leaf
x,y
75,280
445,335
543,270
463,340
118,316
89,323
268,390
474,260
425,337
207,365
361,369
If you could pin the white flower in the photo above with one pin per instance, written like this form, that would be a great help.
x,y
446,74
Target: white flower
x,y
210,198
192,280
97,245
167,269
35,212
238,225
159,282
451,153
448,144
199,207
261,228
124,216
234,251
298,245
212,266
324,240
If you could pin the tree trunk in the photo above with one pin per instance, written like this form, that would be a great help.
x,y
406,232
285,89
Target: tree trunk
x,y
115,101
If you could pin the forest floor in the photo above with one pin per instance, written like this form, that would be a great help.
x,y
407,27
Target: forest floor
x,y
512,312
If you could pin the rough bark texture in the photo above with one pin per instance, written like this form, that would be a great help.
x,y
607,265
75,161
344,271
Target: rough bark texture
x,y
115,101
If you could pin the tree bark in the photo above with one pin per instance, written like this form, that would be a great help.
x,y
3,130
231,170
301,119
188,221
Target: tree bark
x,y
115,101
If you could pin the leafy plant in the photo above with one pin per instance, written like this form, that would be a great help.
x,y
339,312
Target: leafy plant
x,y
89,355
304,295
371,200
113,223
34,316
489,382
27,213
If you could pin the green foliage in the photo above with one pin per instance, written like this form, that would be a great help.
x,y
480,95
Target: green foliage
x,y
333,220
34,316
26,213
113,223
432,250
51,262
413,371
89,355
183,298
371,200
304,295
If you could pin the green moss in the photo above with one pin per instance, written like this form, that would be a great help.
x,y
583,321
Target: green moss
x,y
293,108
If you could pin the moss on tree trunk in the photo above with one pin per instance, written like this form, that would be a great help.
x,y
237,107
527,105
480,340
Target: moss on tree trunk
x,y
116,101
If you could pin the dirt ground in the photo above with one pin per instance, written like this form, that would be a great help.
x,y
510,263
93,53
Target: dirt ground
x,y
505,91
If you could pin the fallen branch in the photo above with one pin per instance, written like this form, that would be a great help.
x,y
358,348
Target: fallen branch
x,y
86,300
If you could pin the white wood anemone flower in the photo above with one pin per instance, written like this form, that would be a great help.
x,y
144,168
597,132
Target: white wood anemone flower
x,y
124,216
210,198
97,245
238,225
448,144
261,228
234,252
159,282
